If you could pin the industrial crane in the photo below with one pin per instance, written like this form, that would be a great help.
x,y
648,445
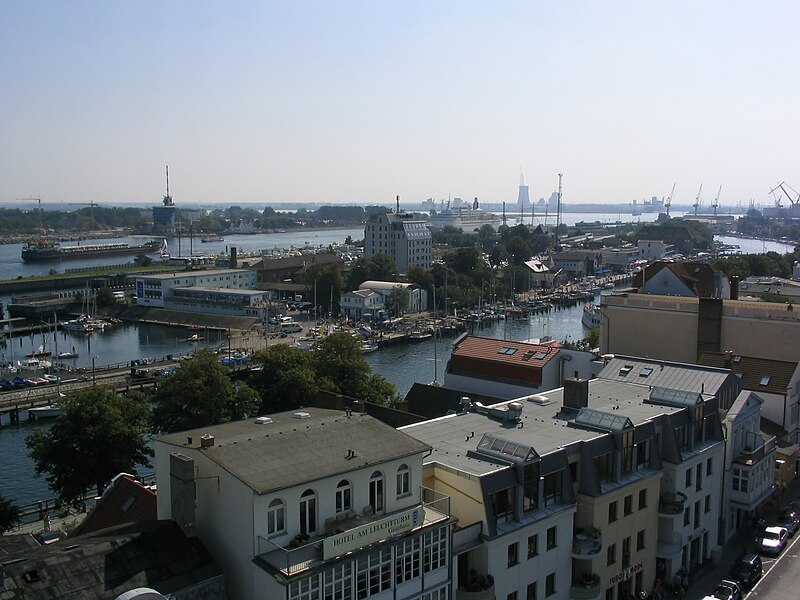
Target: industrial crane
x,y
715,202
776,198
668,203
696,204
783,185
92,204
41,218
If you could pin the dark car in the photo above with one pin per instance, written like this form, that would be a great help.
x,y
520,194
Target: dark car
x,y
789,520
728,590
747,570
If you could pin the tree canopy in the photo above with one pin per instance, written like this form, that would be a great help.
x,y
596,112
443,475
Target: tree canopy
x,y
98,436
199,394
9,515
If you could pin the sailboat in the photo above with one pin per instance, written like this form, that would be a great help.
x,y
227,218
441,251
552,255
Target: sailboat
x,y
164,250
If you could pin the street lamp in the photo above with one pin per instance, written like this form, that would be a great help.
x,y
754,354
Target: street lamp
x,y
93,376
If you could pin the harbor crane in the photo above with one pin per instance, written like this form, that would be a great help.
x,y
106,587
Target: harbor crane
x,y
715,203
91,204
668,203
696,204
783,185
41,218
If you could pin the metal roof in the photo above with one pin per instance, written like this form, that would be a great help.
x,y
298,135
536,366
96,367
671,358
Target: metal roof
x,y
665,374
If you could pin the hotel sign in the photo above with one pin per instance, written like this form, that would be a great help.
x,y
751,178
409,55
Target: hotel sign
x,y
364,535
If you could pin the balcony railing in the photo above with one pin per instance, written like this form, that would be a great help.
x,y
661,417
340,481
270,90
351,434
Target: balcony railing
x,y
477,587
306,552
585,587
671,504
467,537
587,544
755,453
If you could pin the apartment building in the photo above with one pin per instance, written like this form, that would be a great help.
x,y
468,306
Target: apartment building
x,y
398,234
310,504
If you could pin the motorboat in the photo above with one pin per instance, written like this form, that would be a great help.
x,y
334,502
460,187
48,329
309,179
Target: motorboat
x,y
67,355
420,335
194,338
49,411
369,346
591,316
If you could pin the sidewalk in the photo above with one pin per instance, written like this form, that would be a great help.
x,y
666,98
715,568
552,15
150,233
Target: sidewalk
x,y
705,577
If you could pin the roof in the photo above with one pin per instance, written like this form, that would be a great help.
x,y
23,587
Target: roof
x,y
290,451
194,274
665,374
537,266
106,564
385,285
505,351
697,277
125,500
455,438
575,255
433,401
757,374
211,290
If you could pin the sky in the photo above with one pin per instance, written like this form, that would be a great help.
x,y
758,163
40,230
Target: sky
x,y
357,102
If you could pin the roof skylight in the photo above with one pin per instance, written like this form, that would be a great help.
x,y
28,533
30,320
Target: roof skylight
x,y
670,397
506,350
606,421
506,449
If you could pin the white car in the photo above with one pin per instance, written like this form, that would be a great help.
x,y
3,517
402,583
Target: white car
x,y
773,540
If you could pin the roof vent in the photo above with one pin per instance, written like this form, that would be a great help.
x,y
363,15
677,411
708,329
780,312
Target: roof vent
x,y
301,415
206,440
263,421
538,399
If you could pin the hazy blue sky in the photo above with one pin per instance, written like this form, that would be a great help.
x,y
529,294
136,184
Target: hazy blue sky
x,y
359,101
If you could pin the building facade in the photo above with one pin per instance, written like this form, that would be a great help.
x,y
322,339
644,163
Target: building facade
x,y
398,234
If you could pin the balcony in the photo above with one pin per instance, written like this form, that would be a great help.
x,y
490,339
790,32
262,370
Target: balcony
x,y
756,450
669,547
478,587
307,552
466,538
586,587
671,504
587,544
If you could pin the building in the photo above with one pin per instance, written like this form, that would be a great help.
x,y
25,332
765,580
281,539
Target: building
x,y
681,329
417,296
577,263
220,291
360,304
506,369
311,504
620,259
540,274
398,234
690,279
588,476
654,249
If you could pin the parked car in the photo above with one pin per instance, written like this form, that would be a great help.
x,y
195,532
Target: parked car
x,y
789,520
773,540
20,381
728,589
747,569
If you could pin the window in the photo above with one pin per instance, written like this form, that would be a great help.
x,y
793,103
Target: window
x,y
605,467
403,481
533,545
308,512
627,452
435,549
611,554
739,480
305,589
688,477
406,565
640,540
709,467
697,514
643,455
699,412
627,505
642,499
687,516
612,511
376,491
610,593
339,582
682,437
276,517
550,585
513,554
626,552
512,596
503,505
344,495
530,592
551,538
374,573
708,504
698,479
552,488
530,488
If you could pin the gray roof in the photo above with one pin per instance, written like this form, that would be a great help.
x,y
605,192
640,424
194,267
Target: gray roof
x,y
291,451
665,374
454,436
192,273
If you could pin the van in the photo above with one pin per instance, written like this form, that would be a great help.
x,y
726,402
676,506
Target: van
x,y
291,327
748,570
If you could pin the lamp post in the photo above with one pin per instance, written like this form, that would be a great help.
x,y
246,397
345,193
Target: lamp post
x,y
93,374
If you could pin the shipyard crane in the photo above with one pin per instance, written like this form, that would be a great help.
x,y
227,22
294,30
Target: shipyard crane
x,y
41,218
777,197
715,202
783,185
92,204
668,203
696,204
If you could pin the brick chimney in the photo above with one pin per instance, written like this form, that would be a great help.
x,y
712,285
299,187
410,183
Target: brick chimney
x,y
576,393
234,259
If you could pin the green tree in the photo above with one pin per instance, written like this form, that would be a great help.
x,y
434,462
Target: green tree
x,y
329,283
518,250
98,436
199,394
287,378
9,515
105,297
422,277
397,301
593,338
383,267
142,260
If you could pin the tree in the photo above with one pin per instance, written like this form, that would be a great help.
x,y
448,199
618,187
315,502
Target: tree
x,y
142,260
105,297
9,515
383,267
287,379
98,436
200,394
518,250
329,283
593,338
397,301
422,277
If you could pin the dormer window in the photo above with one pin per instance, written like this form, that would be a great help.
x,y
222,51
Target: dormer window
x,y
765,379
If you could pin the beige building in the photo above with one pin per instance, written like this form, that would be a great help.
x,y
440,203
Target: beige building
x,y
680,328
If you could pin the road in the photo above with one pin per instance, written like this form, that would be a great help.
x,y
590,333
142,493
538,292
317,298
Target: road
x,y
781,579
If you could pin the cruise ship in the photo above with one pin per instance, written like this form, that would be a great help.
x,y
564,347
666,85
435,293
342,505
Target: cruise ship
x,y
463,217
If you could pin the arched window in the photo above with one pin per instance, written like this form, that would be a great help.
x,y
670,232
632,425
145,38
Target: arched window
x,y
376,491
276,517
344,496
403,481
308,512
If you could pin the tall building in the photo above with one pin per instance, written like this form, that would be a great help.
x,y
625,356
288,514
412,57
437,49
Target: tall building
x,y
398,234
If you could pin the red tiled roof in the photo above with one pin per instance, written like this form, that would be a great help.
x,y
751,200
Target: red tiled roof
x,y
489,349
125,501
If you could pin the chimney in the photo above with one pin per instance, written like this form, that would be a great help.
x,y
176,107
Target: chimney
x,y
206,440
182,489
234,260
728,357
576,393
398,204
734,287
466,403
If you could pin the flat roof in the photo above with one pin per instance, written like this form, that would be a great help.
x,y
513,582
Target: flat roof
x,y
543,429
237,291
203,273
665,374
289,451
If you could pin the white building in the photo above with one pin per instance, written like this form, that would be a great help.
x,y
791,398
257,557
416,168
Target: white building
x,y
653,249
417,296
312,504
398,234
218,291
360,304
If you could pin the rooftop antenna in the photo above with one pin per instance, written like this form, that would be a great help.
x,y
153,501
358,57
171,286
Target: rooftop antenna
x,y
668,203
697,200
